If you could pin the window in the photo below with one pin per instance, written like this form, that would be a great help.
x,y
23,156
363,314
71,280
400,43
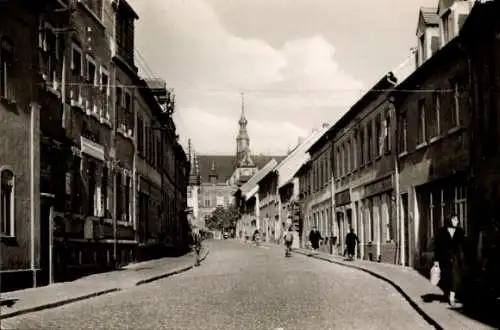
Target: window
x,y
361,147
92,209
422,49
369,152
49,43
104,81
105,93
119,196
128,205
378,135
435,120
7,63
140,136
455,114
91,73
421,122
342,160
128,111
104,199
7,202
447,27
460,203
76,61
403,133
387,132
348,156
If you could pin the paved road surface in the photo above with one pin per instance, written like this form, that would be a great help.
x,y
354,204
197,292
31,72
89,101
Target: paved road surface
x,y
242,287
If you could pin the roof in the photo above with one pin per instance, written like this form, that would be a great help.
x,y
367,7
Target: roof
x,y
388,81
427,68
429,15
247,188
225,165
294,161
483,16
129,8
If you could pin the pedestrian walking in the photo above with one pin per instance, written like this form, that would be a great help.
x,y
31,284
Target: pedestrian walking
x,y
449,256
288,237
197,246
315,238
351,240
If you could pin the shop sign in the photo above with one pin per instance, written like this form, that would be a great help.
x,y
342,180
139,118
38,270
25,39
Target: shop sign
x,y
343,197
379,186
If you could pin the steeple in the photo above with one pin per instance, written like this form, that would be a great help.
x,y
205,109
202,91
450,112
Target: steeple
x,y
243,121
243,140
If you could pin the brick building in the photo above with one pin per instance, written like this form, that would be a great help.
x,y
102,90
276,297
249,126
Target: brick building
x,y
20,258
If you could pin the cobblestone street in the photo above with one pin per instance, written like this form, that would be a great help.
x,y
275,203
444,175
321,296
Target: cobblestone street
x,y
240,286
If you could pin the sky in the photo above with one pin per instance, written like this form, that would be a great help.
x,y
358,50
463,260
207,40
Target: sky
x,y
298,63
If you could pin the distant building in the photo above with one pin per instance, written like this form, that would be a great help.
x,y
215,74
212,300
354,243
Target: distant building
x,y
221,175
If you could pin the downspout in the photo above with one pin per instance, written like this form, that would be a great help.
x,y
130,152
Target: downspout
x,y
34,133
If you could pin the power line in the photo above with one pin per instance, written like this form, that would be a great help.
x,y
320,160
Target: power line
x,y
277,91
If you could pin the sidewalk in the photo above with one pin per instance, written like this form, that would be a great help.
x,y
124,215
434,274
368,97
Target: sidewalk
x,y
415,288
36,299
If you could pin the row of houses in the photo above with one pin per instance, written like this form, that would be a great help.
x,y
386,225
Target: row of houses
x,y
407,155
92,173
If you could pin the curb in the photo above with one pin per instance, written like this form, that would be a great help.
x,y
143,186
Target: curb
x,y
57,303
170,273
94,294
412,303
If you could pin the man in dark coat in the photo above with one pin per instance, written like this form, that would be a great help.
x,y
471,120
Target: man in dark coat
x,y
449,256
351,240
314,238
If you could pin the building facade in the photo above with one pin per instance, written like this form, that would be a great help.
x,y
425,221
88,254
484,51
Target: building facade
x,y
81,179
20,259
316,192
433,141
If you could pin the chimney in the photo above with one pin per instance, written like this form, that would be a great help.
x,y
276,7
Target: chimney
x,y
325,125
300,140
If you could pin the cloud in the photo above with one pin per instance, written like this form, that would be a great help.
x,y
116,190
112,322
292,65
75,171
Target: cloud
x,y
288,91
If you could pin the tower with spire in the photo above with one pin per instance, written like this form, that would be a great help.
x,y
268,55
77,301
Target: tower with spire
x,y
244,165
243,157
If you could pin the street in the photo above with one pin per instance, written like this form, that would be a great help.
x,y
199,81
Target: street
x,y
241,286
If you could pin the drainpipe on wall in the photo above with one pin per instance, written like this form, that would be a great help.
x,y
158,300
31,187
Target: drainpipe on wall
x,y
34,143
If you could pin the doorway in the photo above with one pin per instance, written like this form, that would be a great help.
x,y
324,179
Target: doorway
x,y
406,221
46,203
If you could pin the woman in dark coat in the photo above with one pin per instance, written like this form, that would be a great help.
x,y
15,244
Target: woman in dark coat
x,y
449,254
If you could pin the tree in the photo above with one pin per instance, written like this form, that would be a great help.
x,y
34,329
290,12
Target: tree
x,y
223,218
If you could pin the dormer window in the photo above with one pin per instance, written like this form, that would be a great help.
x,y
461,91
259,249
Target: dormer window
x,y
447,22
422,54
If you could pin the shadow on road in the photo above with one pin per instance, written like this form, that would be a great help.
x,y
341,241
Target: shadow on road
x,y
8,302
432,297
